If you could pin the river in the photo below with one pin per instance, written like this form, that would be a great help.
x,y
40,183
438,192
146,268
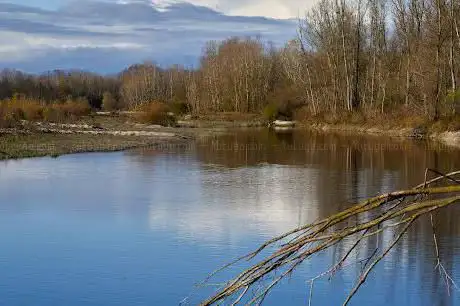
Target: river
x,y
143,227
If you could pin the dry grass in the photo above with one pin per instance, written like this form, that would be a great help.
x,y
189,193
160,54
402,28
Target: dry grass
x,y
21,108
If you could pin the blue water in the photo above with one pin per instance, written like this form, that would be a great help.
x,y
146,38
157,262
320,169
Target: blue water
x,y
143,228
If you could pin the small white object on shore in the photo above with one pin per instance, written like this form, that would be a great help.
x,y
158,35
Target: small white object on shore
x,y
283,124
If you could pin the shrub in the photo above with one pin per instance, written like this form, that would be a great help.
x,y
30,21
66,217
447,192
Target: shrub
x,y
32,111
10,113
3,120
75,108
70,110
270,112
154,113
453,101
14,111
109,103
179,108
454,124
20,108
449,123
357,117
302,114
54,113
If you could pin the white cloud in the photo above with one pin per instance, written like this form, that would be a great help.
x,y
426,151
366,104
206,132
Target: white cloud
x,y
280,9
79,33
22,46
239,211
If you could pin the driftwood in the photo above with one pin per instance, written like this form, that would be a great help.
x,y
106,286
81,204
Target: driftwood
x,y
393,211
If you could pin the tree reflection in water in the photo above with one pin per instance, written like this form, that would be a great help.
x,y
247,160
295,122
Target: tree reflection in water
x,y
316,175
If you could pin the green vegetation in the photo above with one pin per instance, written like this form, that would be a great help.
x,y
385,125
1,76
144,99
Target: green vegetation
x,y
270,112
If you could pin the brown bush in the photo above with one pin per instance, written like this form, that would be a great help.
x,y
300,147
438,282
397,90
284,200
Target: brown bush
x,y
20,108
54,113
32,111
70,110
451,124
454,124
13,110
77,108
109,103
3,120
302,114
153,113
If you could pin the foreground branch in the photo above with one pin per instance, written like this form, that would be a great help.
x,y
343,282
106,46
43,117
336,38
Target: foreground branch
x,y
361,222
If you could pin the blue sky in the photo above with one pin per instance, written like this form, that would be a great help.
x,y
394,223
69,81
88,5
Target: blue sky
x,y
106,36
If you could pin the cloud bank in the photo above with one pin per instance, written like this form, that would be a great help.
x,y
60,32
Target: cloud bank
x,y
108,36
280,9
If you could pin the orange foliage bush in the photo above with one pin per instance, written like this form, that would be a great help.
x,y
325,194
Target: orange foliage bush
x,y
72,109
76,108
20,108
153,113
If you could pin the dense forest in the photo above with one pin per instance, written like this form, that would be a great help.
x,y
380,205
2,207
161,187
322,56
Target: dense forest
x,y
369,59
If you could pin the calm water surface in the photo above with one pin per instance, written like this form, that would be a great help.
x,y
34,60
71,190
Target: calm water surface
x,y
143,227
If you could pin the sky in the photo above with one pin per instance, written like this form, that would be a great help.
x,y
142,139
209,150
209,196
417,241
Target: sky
x,y
107,36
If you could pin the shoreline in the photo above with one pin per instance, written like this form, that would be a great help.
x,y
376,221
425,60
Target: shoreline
x,y
39,144
50,139
447,138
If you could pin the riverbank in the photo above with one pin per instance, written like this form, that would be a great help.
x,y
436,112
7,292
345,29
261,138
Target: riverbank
x,y
116,133
25,145
99,134
90,134
449,138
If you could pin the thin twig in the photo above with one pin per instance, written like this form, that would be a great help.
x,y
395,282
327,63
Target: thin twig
x,y
446,176
364,276
241,296
439,266
401,207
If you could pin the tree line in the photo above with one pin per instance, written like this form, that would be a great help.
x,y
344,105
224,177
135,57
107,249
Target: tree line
x,y
383,55
367,57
